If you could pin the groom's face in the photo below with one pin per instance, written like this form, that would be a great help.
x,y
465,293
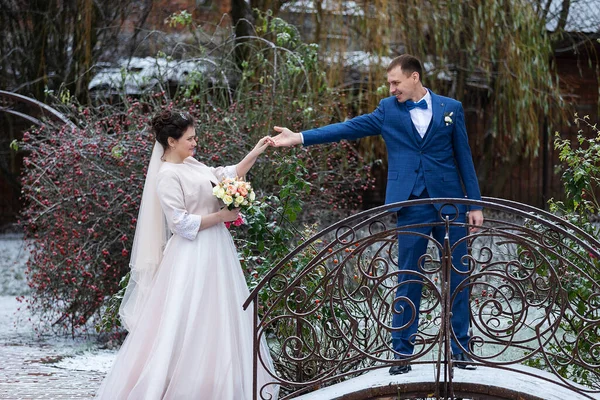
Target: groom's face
x,y
403,86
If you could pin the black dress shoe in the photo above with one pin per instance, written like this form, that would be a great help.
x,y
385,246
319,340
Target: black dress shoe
x,y
400,369
463,361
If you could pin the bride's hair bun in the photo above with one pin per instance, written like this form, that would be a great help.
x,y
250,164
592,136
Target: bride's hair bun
x,y
168,124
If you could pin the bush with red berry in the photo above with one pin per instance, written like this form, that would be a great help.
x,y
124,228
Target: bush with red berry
x,y
82,186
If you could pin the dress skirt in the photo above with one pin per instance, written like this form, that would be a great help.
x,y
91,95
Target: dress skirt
x,y
193,339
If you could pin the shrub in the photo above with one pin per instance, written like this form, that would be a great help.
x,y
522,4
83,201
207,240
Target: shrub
x,y
575,355
82,186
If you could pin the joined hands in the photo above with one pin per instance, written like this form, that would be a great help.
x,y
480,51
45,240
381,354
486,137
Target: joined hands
x,y
262,145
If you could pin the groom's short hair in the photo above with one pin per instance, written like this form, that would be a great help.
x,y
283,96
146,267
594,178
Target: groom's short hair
x,y
408,64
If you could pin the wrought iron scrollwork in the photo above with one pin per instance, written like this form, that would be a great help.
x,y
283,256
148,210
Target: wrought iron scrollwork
x,y
329,318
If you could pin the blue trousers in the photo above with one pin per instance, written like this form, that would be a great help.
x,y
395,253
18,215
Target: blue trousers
x,y
410,249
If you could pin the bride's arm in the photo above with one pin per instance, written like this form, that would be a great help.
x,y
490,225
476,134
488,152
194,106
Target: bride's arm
x,y
219,217
244,166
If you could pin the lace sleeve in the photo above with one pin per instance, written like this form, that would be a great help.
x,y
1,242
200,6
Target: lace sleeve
x,y
229,171
172,202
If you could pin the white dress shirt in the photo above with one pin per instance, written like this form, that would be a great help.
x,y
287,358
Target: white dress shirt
x,y
422,118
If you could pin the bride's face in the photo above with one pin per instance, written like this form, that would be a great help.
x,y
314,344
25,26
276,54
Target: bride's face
x,y
186,145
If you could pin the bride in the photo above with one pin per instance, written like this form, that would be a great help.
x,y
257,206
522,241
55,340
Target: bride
x,y
189,337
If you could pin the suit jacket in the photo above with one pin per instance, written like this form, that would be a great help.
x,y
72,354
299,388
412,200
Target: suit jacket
x,y
444,153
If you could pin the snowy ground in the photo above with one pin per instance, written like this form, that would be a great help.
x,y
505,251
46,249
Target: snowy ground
x,y
517,384
13,257
26,357
80,354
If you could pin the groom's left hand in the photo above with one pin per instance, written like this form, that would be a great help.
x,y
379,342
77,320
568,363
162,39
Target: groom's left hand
x,y
475,220
286,137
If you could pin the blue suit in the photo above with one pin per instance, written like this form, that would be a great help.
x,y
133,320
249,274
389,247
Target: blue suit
x,y
438,165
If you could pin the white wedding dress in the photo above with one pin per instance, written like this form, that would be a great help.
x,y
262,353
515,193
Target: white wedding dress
x,y
192,339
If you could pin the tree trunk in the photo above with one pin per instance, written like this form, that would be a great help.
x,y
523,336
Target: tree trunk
x,y
84,39
243,21
564,14
39,10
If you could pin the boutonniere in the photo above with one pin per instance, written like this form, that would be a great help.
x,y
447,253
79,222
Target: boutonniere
x,y
448,117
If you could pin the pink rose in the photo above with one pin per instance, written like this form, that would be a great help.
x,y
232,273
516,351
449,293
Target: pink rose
x,y
239,221
243,191
231,190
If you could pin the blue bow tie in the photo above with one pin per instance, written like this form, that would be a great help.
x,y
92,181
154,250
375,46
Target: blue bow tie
x,y
411,104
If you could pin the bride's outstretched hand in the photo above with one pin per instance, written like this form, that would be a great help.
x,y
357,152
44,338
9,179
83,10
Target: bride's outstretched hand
x,y
286,137
262,145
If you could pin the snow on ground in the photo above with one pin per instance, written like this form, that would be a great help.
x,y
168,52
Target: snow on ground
x,y
515,379
17,324
92,360
13,256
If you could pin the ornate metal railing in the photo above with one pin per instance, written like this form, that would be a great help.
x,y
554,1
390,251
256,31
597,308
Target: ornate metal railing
x,y
534,299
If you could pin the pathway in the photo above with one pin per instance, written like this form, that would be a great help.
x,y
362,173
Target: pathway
x,y
40,367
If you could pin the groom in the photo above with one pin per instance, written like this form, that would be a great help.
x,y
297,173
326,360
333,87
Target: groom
x,y
428,157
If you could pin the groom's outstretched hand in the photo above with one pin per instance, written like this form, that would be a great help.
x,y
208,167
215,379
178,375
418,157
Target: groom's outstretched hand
x,y
286,137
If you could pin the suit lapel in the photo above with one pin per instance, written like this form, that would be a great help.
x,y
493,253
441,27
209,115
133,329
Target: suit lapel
x,y
438,110
406,121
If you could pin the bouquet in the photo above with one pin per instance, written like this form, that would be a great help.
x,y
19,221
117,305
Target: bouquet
x,y
235,193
